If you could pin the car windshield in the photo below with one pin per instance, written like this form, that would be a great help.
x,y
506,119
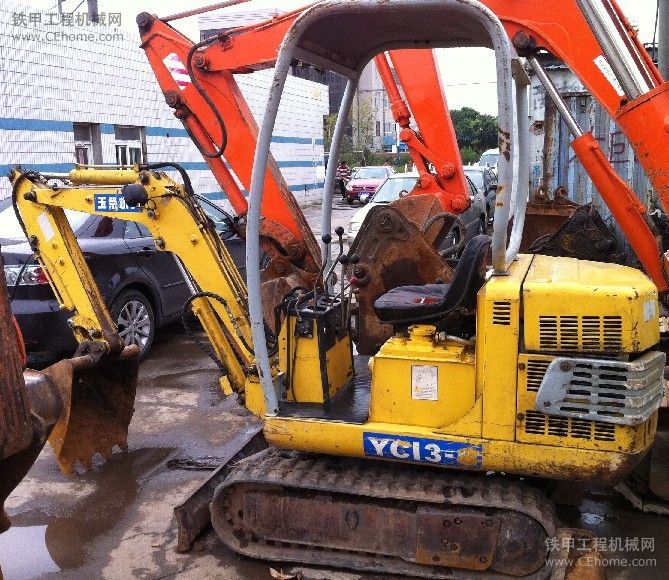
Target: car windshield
x,y
11,229
489,159
223,221
391,189
476,177
371,173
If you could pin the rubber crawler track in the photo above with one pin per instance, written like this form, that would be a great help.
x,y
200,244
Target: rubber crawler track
x,y
369,481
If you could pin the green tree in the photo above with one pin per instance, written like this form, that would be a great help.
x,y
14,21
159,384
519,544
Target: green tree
x,y
475,132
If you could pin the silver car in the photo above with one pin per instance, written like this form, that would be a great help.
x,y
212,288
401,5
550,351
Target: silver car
x,y
485,180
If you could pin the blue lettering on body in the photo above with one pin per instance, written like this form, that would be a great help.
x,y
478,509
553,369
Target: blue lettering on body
x,y
422,450
112,202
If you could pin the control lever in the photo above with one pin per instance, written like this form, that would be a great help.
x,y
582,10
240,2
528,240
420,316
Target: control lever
x,y
353,260
327,240
340,234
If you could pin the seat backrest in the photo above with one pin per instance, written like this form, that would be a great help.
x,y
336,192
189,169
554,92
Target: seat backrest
x,y
467,280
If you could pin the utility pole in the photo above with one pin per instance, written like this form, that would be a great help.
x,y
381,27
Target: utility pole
x,y
663,38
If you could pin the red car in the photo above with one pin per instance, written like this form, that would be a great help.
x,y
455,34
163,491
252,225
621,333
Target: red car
x,y
365,181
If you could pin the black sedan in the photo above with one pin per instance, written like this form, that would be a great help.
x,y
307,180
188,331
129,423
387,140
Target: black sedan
x,y
144,288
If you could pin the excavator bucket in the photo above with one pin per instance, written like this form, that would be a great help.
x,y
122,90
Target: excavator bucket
x,y
98,399
545,216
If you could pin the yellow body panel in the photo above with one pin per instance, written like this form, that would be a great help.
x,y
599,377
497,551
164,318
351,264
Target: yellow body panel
x,y
577,306
299,358
431,382
497,330
551,461
483,416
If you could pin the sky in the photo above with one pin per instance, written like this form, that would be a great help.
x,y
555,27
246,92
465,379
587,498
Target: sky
x,y
468,74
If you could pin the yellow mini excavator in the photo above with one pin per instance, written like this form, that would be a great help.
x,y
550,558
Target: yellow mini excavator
x,y
431,458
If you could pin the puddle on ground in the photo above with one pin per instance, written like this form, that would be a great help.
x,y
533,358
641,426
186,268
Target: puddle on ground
x,y
24,554
63,542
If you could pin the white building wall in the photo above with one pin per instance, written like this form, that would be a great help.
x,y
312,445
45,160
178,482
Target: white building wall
x,y
48,84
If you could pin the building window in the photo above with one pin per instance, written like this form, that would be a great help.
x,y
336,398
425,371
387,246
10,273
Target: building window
x,y
130,143
87,143
378,128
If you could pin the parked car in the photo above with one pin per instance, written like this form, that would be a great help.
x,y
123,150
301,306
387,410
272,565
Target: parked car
x,y
365,181
400,184
490,158
485,180
143,287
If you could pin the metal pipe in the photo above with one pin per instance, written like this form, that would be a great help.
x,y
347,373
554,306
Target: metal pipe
x,y
523,179
202,10
331,171
554,95
621,61
253,225
663,38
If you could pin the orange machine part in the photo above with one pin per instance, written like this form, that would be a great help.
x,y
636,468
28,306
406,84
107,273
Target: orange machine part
x,y
645,122
623,203
279,206
436,142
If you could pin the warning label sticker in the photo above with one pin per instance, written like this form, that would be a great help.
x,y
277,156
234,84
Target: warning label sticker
x,y
424,383
177,70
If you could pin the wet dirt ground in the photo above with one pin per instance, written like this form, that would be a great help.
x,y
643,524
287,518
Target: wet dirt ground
x,y
116,521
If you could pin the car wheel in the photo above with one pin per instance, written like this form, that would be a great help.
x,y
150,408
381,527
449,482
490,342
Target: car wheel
x,y
349,200
136,322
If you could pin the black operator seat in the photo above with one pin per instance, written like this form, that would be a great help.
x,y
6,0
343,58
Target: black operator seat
x,y
407,305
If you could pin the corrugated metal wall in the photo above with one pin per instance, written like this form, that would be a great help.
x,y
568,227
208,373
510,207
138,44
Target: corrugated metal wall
x,y
553,161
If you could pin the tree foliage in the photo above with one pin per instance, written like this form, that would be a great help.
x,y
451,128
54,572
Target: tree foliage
x,y
475,131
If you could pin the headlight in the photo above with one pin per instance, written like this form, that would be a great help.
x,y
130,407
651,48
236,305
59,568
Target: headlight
x,y
33,275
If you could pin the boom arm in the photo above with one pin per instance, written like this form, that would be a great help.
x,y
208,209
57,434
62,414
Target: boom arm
x,y
177,225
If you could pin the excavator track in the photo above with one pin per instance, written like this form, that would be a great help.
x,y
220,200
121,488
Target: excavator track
x,y
382,517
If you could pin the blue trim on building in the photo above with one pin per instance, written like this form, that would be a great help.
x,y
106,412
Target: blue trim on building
x,y
307,186
41,167
165,132
9,124
296,140
220,196
202,165
12,124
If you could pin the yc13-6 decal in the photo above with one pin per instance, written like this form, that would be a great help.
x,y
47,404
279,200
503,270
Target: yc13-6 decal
x,y
422,450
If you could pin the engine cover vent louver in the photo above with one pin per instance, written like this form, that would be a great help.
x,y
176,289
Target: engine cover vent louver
x,y
581,333
501,312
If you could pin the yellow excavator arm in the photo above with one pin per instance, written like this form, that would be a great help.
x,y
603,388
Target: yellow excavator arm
x,y
177,223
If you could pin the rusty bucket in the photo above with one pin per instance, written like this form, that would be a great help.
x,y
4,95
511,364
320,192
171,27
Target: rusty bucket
x,y
98,400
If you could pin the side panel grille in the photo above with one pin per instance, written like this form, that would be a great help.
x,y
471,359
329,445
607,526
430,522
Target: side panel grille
x,y
539,424
536,369
501,313
584,333
534,424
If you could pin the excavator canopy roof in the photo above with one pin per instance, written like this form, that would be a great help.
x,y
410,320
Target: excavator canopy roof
x,y
343,36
